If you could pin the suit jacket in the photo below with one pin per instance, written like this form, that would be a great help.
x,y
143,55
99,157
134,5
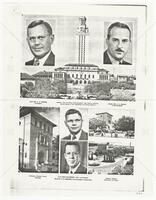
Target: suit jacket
x,y
83,136
80,170
106,60
49,62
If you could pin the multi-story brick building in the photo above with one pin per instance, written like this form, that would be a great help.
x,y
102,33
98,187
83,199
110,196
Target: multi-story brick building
x,y
106,118
35,141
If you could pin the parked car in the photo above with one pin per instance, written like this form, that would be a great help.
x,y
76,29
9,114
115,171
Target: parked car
x,y
91,96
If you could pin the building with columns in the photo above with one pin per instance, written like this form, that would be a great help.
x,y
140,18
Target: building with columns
x,y
35,142
84,73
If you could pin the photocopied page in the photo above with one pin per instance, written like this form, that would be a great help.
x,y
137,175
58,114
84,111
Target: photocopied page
x,y
75,107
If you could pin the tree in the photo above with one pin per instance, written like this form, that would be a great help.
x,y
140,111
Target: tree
x,y
95,124
98,88
23,90
125,124
60,86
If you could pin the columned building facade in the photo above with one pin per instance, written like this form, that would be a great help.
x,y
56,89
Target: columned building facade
x,y
84,73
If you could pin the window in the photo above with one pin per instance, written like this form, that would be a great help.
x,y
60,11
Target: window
x,y
36,122
42,139
48,129
44,126
72,75
93,76
88,75
40,124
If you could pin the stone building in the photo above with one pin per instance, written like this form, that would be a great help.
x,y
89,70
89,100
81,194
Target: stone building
x,y
106,118
35,141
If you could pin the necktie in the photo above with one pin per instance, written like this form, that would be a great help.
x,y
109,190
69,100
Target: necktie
x,y
36,62
73,137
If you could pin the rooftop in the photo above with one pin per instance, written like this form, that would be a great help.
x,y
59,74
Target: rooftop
x,y
25,76
43,73
81,65
26,110
104,113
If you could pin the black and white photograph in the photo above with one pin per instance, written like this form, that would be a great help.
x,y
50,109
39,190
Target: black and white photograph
x,y
73,157
119,42
79,72
112,123
77,99
62,85
74,124
39,38
113,158
39,139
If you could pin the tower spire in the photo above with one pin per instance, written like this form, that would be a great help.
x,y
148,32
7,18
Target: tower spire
x,y
82,32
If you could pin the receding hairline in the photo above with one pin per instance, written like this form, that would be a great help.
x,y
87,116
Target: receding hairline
x,y
40,23
120,26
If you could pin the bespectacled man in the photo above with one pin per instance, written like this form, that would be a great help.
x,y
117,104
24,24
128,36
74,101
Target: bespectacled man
x,y
73,121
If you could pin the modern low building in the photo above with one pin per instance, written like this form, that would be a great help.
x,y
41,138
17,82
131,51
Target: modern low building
x,y
35,141
55,75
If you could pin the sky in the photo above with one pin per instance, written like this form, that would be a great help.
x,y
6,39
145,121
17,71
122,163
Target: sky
x,y
65,45
116,113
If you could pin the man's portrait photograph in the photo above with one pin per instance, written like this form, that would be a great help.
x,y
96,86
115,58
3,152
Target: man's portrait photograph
x,y
118,38
39,39
73,157
74,124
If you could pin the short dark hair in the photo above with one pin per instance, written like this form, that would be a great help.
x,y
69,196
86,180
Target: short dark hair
x,y
118,25
72,111
41,22
72,143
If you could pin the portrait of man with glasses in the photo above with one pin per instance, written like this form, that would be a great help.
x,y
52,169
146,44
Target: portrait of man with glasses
x,y
73,160
73,121
40,38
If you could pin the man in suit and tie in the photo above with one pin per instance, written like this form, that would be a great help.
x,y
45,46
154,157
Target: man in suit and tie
x,y
40,38
73,159
73,121
118,43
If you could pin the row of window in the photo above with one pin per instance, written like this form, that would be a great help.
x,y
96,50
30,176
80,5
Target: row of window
x,y
42,125
82,68
43,139
80,76
82,82
59,75
103,77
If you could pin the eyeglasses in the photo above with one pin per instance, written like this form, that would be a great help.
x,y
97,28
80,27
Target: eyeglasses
x,y
72,121
40,38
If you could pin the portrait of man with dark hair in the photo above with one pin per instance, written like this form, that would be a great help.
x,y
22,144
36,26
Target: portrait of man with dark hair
x,y
73,158
118,42
74,121
40,38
